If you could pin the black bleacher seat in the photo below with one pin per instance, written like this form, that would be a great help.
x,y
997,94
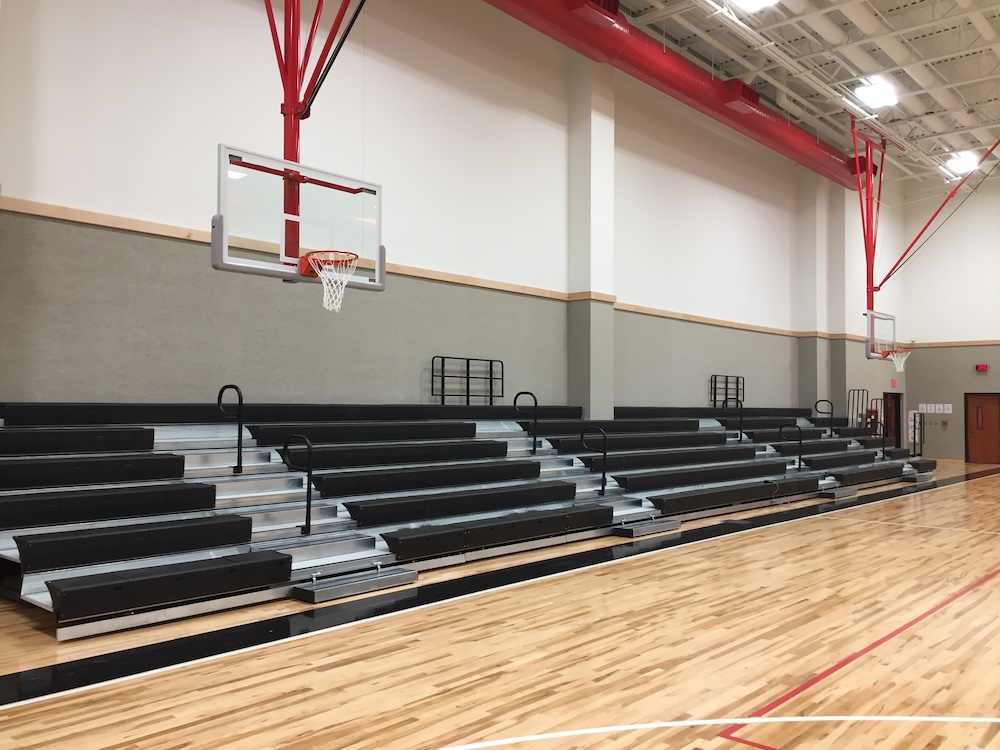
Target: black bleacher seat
x,y
638,441
868,474
344,456
342,484
448,539
653,480
440,505
896,454
624,461
67,549
921,465
831,460
775,436
575,426
357,432
110,593
853,432
826,421
36,414
707,412
811,447
78,506
757,423
29,441
48,471
718,497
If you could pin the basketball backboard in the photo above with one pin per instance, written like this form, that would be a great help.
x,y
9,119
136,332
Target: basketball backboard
x,y
272,211
881,334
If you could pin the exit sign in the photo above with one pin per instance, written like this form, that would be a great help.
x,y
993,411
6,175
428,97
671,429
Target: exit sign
x,y
982,368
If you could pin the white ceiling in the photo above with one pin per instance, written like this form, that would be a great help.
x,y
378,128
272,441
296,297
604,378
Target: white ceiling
x,y
804,57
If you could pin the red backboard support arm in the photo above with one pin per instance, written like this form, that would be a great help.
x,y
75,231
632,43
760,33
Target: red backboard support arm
x,y
934,215
870,197
292,69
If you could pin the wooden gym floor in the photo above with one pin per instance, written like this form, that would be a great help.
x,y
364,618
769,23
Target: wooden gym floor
x,y
888,609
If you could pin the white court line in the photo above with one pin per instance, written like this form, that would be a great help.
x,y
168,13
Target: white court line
x,y
716,722
323,631
914,525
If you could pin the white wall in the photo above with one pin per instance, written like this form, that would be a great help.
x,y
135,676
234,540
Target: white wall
x,y
456,109
704,219
953,281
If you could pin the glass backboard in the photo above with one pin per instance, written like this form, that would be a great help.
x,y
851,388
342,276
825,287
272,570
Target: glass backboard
x,y
272,211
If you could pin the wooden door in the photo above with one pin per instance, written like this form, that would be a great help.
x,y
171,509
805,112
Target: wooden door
x,y
891,404
982,428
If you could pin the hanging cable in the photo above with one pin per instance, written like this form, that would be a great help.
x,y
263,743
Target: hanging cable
x,y
943,222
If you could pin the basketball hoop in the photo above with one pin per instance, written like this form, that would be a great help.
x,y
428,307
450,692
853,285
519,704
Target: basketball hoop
x,y
334,268
898,357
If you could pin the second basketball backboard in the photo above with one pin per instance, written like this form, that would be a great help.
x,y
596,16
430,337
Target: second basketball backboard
x,y
272,211
880,334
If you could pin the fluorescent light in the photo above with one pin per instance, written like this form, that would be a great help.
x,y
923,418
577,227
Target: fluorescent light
x,y
856,108
234,175
877,93
752,6
963,162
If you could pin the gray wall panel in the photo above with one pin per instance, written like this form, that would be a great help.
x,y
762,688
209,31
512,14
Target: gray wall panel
x,y
943,375
667,362
94,314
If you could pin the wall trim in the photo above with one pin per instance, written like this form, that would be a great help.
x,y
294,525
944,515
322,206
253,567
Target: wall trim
x,y
948,344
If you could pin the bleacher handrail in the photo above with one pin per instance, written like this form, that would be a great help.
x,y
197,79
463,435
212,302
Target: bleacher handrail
x,y
534,418
739,406
238,469
308,468
828,413
781,434
603,451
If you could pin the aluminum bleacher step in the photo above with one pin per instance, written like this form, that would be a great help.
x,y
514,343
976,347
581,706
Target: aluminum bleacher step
x,y
319,545
364,582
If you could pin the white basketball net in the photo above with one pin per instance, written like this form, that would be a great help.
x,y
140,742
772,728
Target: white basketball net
x,y
334,268
898,358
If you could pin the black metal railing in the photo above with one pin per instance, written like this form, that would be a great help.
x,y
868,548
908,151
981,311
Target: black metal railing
x,y
781,434
875,424
828,412
308,469
485,374
534,418
875,412
917,434
238,414
739,407
603,451
857,402
724,387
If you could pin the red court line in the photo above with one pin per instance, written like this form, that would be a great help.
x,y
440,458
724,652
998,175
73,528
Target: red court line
x,y
782,699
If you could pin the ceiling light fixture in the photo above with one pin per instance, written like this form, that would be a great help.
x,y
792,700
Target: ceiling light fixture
x,y
752,6
877,93
962,163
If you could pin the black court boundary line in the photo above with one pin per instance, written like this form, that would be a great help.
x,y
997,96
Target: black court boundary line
x,y
58,678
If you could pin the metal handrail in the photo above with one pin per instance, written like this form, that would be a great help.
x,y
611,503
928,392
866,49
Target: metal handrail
x,y
604,452
534,418
828,413
308,468
781,434
881,428
238,469
440,378
857,402
739,404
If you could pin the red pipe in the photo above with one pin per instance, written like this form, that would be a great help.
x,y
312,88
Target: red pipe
x,y
638,55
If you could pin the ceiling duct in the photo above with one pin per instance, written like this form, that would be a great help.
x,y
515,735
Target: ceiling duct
x,y
615,42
